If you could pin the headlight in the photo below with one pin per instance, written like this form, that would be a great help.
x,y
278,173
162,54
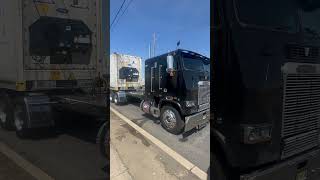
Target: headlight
x,y
190,103
253,134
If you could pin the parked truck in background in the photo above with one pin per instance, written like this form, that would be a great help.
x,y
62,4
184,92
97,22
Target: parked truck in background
x,y
126,76
52,58
266,90
176,90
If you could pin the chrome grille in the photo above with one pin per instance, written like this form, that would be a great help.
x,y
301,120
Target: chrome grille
x,y
301,52
300,126
299,143
203,92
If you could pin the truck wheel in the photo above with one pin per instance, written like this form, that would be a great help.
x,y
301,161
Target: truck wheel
x,y
218,170
20,120
6,113
103,140
171,120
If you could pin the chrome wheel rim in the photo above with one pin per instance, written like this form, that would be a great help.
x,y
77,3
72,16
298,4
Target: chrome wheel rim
x,y
17,119
169,119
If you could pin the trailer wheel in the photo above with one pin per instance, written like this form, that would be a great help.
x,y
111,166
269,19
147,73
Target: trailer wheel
x,y
20,119
116,99
111,98
6,113
218,169
171,120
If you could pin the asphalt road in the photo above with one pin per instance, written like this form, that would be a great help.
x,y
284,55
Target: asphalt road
x,y
68,153
195,148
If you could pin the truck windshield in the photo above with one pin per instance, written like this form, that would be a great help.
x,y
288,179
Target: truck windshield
x,y
310,22
274,14
196,64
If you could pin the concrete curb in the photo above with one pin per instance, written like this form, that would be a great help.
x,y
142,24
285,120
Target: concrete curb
x,y
176,156
36,172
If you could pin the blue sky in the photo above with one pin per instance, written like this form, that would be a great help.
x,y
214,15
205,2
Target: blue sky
x,y
172,20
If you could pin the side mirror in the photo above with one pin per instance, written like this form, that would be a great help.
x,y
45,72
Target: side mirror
x,y
170,61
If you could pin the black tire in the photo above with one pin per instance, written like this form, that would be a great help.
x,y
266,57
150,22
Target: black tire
x,y
174,126
219,171
116,99
103,140
20,119
6,112
111,98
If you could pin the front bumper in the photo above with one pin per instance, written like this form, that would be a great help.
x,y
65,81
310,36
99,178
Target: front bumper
x,y
288,170
196,120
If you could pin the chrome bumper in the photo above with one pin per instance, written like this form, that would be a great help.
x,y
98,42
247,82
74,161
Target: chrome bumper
x,y
196,120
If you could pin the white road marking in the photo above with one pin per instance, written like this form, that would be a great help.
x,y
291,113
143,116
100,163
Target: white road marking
x,y
176,156
36,172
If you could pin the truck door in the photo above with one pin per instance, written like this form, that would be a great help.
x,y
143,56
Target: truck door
x,y
154,77
161,75
149,77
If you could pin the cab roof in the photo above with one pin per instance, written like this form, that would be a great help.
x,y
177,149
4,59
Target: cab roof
x,y
178,51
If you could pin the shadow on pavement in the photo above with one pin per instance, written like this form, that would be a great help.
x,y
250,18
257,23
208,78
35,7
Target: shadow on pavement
x,y
79,126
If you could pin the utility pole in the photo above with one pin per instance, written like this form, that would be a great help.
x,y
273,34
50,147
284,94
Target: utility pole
x,y
154,44
149,50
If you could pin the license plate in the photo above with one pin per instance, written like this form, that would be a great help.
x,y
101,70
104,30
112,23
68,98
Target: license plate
x,y
302,175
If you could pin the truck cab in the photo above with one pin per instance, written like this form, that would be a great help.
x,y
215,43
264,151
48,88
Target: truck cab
x,y
266,75
177,90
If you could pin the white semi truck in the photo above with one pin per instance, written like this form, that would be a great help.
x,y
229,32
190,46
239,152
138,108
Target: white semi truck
x,y
53,54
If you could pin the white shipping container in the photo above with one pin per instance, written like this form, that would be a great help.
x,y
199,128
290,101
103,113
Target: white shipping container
x,y
118,61
17,63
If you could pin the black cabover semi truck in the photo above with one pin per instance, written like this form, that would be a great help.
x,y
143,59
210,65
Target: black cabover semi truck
x,y
177,90
266,90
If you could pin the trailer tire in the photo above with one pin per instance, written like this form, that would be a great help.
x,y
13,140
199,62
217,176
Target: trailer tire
x,y
111,98
171,120
219,171
20,119
6,112
116,99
